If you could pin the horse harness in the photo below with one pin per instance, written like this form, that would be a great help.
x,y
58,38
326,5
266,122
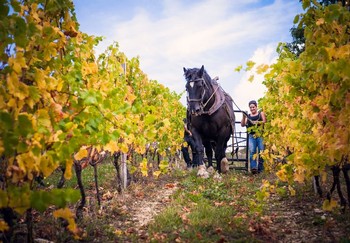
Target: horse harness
x,y
220,96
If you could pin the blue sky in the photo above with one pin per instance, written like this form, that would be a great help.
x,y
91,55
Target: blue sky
x,y
168,35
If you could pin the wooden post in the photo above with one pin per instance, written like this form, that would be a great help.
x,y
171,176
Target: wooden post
x,y
124,171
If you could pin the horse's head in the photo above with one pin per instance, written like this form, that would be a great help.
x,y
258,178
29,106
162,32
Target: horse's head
x,y
198,89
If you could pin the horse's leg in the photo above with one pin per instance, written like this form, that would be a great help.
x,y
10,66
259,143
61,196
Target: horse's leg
x,y
199,152
208,152
219,154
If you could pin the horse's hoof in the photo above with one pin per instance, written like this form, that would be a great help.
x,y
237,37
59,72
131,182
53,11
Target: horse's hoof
x,y
202,172
224,165
211,170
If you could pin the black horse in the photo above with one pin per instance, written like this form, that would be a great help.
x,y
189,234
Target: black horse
x,y
210,115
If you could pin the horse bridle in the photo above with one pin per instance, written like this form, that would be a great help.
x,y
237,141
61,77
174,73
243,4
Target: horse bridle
x,y
203,93
202,105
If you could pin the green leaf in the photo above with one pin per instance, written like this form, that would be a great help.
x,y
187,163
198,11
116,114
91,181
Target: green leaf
x,y
6,121
24,125
239,68
4,9
20,32
41,200
89,98
296,19
306,4
150,119
250,65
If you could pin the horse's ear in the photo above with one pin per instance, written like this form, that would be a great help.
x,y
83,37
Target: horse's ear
x,y
185,70
201,71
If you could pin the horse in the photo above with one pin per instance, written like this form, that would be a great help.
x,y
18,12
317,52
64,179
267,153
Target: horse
x,y
210,116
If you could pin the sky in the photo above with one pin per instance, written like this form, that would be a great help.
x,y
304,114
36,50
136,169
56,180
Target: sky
x,y
168,35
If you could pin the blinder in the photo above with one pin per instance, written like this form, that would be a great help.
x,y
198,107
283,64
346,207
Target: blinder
x,y
201,98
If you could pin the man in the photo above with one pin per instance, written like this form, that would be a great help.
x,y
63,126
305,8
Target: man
x,y
190,142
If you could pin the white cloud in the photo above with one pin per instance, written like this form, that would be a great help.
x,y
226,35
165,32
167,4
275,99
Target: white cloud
x,y
254,90
220,34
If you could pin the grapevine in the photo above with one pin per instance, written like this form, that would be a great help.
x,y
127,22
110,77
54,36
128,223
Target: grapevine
x,y
57,97
308,97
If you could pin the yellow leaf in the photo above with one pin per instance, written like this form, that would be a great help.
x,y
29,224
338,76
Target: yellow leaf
x,y
28,163
166,122
320,21
143,167
291,190
18,62
130,97
329,205
112,146
299,176
83,153
66,214
47,165
68,170
3,226
124,148
251,78
88,68
262,68
157,173
39,78
43,118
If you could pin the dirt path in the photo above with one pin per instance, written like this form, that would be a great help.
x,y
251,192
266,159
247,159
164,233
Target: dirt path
x,y
144,210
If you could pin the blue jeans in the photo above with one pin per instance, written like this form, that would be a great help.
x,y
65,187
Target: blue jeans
x,y
255,144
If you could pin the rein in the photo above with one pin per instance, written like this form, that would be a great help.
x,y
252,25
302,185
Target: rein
x,y
212,95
